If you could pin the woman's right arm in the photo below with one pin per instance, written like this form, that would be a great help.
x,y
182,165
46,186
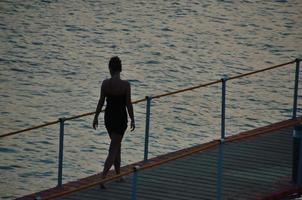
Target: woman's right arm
x,y
99,107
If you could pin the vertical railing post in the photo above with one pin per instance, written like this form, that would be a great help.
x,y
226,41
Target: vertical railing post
x,y
299,179
61,147
219,170
221,145
223,96
148,106
296,88
297,155
134,182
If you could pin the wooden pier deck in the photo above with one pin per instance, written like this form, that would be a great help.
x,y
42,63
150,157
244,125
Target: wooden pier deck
x,y
256,164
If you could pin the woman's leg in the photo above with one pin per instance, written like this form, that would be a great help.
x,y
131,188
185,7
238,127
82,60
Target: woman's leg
x,y
117,161
114,149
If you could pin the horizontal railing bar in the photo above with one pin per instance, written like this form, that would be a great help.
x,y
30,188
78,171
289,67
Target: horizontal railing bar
x,y
186,89
261,70
218,81
79,116
57,121
138,101
153,97
29,129
91,113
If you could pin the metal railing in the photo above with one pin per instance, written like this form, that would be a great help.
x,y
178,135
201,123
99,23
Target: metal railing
x,y
148,100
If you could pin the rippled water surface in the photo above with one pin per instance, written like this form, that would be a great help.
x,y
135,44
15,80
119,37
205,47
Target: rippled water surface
x,y
54,55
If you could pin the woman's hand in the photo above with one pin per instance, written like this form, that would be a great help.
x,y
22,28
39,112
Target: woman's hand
x,y
132,125
95,123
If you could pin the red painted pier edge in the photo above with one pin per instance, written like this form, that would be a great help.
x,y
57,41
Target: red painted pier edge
x,y
87,182
284,192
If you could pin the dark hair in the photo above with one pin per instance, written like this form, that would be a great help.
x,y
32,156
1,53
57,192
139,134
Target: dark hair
x,y
115,64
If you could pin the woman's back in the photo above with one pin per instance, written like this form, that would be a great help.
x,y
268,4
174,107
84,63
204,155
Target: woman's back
x,y
116,97
114,86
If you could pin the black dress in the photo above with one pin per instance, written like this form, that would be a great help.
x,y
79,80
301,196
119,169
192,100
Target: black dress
x,y
115,114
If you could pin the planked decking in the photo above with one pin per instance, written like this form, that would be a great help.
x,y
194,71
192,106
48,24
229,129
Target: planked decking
x,y
256,165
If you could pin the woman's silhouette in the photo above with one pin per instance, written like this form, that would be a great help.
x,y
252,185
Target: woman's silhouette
x,y
117,93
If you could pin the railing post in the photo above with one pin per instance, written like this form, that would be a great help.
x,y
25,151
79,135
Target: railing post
x,y
219,171
296,88
221,145
134,182
297,155
223,94
148,98
61,147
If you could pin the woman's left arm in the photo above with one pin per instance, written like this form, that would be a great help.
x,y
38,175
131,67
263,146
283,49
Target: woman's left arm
x,y
129,106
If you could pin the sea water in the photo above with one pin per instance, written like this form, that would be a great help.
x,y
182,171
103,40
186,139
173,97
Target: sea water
x,y
54,56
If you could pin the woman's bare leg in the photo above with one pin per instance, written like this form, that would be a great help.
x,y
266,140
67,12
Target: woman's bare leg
x,y
117,161
114,149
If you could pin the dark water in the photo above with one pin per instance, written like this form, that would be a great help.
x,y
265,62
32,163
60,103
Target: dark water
x,y
54,54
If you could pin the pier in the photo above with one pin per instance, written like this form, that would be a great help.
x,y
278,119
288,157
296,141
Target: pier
x,y
255,164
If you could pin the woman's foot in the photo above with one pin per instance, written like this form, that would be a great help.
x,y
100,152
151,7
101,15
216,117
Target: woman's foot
x,y
102,186
121,179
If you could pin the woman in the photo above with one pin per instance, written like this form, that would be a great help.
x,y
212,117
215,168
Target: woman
x,y
117,93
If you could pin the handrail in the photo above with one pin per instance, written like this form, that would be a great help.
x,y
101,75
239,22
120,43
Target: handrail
x,y
218,81
186,89
91,113
262,70
153,97
29,129
55,122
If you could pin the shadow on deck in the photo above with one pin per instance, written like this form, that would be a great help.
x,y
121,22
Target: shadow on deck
x,y
256,164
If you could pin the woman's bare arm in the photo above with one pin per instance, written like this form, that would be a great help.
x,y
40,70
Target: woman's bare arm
x,y
99,107
129,106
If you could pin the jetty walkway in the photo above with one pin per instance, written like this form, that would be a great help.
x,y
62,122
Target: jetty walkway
x,y
257,164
